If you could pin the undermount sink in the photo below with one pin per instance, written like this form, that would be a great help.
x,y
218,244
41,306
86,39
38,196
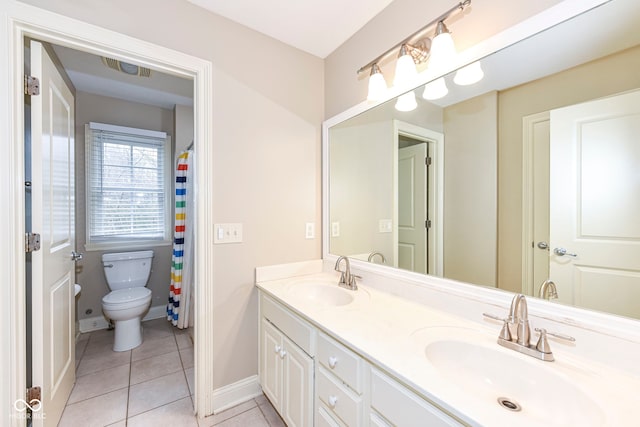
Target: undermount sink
x,y
530,391
320,294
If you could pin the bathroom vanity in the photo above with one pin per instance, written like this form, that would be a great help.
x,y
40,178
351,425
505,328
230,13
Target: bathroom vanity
x,y
391,354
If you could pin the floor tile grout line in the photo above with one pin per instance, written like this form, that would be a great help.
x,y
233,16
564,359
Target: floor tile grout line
x,y
126,413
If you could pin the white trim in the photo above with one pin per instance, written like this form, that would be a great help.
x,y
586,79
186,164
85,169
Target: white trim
x,y
97,323
234,394
20,20
528,124
125,129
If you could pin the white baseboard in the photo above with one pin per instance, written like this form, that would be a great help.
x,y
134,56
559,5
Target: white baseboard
x,y
100,322
234,394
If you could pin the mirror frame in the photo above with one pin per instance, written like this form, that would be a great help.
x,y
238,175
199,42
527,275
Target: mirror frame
x,y
525,29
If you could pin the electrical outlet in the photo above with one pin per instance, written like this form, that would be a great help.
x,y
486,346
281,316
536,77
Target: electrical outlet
x,y
310,230
335,229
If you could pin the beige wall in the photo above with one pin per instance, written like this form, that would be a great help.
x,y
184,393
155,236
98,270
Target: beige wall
x,y
470,183
182,127
344,89
267,114
362,191
603,77
89,272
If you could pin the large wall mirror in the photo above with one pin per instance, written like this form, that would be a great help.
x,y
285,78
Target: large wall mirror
x,y
532,173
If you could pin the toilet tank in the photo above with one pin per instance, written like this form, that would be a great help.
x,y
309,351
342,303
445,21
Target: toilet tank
x,y
127,269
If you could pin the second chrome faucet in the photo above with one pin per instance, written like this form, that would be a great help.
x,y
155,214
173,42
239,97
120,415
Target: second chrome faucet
x,y
519,339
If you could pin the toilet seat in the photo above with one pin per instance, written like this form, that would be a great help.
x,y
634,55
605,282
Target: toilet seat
x,y
123,299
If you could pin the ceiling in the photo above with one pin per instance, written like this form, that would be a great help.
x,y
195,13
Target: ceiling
x,y
89,74
301,24
315,26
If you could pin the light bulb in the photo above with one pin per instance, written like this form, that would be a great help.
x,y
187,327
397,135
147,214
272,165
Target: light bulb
x,y
443,50
377,84
469,75
405,69
407,102
435,90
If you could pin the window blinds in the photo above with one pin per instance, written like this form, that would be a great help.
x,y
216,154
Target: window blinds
x,y
126,184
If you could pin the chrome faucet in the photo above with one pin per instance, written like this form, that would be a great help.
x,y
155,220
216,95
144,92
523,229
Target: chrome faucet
x,y
347,280
374,254
519,315
548,290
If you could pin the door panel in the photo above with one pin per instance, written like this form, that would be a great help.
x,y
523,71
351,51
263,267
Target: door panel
x,y
53,187
412,208
595,203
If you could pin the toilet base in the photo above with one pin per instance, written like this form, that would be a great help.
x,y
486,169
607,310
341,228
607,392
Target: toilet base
x,y
128,334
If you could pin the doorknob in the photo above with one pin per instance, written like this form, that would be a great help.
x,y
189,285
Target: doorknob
x,y
76,256
543,245
563,252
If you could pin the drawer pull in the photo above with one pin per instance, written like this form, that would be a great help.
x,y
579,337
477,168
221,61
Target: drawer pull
x,y
277,349
332,401
333,361
282,354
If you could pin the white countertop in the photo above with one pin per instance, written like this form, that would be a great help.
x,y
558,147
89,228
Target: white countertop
x,y
391,332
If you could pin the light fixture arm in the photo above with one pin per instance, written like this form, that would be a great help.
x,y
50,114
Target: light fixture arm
x,y
418,34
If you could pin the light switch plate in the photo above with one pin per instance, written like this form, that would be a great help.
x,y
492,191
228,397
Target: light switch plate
x,y
385,226
227,233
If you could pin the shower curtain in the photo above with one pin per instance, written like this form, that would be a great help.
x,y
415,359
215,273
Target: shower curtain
x,y
180,291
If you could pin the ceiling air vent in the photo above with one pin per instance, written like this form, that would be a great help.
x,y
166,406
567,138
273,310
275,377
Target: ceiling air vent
x,y
125,67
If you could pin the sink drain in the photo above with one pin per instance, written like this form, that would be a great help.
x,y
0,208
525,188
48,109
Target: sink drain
x,y
509,404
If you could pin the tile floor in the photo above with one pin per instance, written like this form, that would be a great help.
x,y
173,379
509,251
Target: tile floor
x,y
151,385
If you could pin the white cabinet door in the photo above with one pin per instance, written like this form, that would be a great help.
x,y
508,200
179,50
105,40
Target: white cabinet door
x,y
270,362
297,405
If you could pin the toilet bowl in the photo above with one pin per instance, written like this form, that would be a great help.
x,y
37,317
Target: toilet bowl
x,y
129,300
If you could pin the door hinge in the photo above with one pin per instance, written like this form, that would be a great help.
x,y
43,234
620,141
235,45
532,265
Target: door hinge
x,y
31,242
34,393
427,224
31,85
427,161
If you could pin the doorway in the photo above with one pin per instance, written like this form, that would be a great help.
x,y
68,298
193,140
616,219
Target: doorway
x,y
129,98
52,28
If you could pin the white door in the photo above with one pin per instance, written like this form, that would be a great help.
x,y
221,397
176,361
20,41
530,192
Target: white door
x,y
53,271
412,208
595,204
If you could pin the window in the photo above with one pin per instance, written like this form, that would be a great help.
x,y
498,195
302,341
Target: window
x,y
128,183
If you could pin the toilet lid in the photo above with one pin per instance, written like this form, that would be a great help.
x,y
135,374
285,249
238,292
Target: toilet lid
x,y
126,295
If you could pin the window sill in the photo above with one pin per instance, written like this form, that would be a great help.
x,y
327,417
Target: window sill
x,y
126,246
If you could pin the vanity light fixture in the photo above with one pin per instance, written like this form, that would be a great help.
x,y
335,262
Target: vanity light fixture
x,y
469,75
415,49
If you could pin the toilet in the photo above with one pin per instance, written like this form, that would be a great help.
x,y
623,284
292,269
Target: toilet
x,y
127,274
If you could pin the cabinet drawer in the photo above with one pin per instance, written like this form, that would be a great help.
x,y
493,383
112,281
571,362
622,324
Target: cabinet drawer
x,y
341,362
402,407
340,400
295,328
324,419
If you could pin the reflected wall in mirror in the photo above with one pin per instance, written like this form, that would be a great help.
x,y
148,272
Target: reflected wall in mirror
x,y
539,157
